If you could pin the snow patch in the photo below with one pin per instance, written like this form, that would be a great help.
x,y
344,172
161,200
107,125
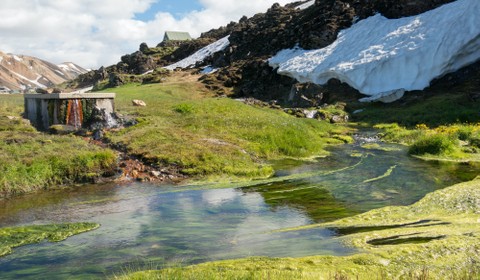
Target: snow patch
x,y
148,72
60,73
68,66
82,90
35,82
17,58
383,57
306,5
201,54
208,70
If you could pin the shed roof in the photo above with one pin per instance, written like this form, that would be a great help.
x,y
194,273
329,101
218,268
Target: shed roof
x,y
176,36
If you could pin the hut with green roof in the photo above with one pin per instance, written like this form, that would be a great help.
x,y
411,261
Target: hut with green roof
x,y
176,36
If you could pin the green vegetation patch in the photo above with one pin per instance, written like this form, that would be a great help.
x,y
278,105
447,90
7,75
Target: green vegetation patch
x,y
435,238
433,107
182,125
32,160
455,142
437,144
20,236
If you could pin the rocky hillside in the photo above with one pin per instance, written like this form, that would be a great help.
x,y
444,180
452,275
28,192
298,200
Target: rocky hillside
x,y
242,67
20,72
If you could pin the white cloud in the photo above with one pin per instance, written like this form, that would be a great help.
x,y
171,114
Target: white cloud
x,y
92,33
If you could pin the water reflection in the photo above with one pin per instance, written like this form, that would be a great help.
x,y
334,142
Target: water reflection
x,y
140,222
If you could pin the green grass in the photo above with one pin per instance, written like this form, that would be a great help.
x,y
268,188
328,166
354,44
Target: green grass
x,y
204,135
458,142
20,236
444,226
434,107
32,160
437,144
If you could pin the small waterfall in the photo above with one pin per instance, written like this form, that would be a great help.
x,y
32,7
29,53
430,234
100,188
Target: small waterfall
x,y
310,114
74,113
110,121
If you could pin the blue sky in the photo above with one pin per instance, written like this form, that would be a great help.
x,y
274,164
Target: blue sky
x,y
178,8
95,33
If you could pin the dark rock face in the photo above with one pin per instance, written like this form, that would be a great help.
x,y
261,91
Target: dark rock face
x,y
306,95
138,62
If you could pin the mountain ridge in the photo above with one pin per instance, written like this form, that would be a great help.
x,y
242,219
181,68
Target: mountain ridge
x,y
23,72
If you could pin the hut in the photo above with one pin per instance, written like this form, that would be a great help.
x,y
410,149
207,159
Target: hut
x,y
176,36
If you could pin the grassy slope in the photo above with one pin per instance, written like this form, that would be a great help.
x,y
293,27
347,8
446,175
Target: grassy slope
x,y
453,216
439,105
20,236
204,135
32,160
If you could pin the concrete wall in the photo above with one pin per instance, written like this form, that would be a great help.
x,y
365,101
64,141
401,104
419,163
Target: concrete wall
x,y
43,110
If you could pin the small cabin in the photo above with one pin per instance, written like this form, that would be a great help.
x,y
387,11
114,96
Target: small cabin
x,y
176,36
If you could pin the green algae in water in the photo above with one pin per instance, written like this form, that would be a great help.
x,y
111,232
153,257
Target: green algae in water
x,y
386,174
19,236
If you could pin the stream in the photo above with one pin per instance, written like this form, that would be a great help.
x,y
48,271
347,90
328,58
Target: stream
x,y
146,226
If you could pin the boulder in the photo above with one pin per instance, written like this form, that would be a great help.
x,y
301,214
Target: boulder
x,y
306,95
139,103
42,91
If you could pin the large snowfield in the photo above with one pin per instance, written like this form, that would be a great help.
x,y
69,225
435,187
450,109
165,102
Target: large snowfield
x,y
201,54
383,57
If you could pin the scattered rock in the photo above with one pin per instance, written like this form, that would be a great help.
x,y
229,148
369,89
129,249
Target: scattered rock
x,y
48,90
139,103
98,134
339,119
115,80
306,95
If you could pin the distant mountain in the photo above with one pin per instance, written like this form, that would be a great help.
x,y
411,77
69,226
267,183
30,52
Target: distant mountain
x,y
20,72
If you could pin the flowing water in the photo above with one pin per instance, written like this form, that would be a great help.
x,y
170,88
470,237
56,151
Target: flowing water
x,y
144,225
74,113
